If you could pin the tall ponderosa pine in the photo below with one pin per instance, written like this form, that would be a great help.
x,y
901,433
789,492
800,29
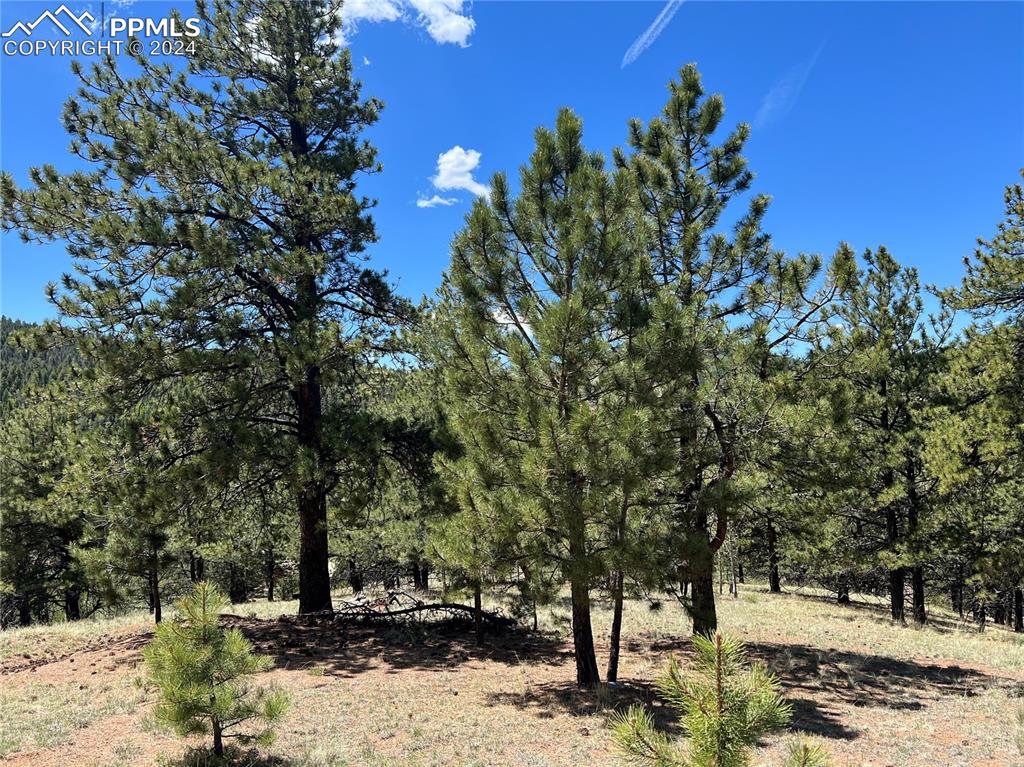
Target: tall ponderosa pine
x,y
217,238
727,302
977,438
532,330
891,353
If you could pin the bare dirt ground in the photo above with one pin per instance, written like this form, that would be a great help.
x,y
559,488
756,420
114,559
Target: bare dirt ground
x,y
872,693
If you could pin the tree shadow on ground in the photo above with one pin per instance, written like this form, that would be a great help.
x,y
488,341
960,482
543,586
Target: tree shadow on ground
x,y
548,699
346,651
819,684
233,757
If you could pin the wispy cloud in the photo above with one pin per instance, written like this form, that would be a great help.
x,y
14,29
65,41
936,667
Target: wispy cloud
x,y
650,34
433,202
785,92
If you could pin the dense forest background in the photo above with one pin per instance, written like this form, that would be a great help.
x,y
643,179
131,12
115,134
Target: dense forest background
x,y
613,393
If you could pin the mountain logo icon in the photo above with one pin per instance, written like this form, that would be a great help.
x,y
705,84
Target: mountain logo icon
x,y
63,12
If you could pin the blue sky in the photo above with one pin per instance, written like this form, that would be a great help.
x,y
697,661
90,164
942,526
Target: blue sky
x,y
874,123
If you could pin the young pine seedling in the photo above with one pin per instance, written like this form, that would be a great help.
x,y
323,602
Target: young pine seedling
x,y
727,704
202,672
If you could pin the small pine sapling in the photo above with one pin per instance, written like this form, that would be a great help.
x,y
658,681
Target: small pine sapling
x,y
202,670
727,704
804,754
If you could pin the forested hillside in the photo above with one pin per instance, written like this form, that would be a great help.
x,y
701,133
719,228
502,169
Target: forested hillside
x,y
22,366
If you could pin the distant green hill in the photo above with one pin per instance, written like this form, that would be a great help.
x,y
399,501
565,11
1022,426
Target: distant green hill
x,y
22,368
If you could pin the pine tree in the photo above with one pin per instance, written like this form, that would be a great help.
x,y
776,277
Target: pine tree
x,y
976,435
531,340
891,354
727,705
202,670
218,238
725,302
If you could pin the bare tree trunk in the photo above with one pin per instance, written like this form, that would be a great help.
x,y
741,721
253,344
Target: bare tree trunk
x,y
1018,610
917,587
897,576
616,634
72,603
24,611
478,612
314,572
587,675
774,584
270,574
702,606
218,739
154,593
355,577
843,592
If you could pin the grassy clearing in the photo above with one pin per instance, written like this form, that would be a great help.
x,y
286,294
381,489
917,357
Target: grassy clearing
x,y
871,692
45,715
36,643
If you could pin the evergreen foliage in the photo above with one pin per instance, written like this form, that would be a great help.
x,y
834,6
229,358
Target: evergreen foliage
x,y
202,672
727,704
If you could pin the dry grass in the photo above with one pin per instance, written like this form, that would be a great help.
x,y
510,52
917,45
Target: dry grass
x,y
871,692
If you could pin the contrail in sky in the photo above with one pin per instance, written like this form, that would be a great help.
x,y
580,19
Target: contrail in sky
x,y
650,34
783,95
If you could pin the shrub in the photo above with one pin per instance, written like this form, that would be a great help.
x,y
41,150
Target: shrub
x,y
202,673
727,704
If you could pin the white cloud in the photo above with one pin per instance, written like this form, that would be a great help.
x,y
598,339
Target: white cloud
x,y
433,202
370,10
445,21
783,94
455,171
650,34
366,61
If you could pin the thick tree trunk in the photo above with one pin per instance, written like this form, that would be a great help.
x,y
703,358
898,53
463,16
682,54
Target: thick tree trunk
x,y
843,592
314,571
425,575
956,593
702,603
999,612
897,576
237,592
24,611
218,739
616,634
355,577
774,584
740,566
72,603
897,594
587,675
917,587
196,567
1018,610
